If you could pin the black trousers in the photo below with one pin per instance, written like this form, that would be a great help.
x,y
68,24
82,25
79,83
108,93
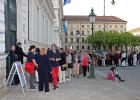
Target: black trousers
x,y
119,78
84,70
43,82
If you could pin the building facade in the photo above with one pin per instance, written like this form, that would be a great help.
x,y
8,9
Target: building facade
x,y
29,22
79,28
135,31
41,21
58,9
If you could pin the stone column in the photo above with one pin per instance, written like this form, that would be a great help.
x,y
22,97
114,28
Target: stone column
x,y
2,75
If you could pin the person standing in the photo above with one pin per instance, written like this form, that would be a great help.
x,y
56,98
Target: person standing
x,y
54,56
44,70
76,65
13,58
31,66
19,52
130,59
134,59
63,67
103,59
95,59
123,59
85,63
70,64
116,58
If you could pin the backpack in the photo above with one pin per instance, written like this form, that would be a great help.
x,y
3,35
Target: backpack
x,y
85,61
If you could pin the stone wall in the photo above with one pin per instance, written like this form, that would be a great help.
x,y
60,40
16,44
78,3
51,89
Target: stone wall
x,y
2,75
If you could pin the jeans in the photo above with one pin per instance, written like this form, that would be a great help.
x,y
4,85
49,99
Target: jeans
x,y
32,80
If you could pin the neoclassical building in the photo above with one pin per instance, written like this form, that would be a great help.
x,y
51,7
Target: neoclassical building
x,y
36,22
58,26
79,28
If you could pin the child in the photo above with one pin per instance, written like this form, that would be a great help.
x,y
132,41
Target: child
x,y
112,75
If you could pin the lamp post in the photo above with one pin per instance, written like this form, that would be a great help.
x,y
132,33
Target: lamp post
x,y
113,3
92,17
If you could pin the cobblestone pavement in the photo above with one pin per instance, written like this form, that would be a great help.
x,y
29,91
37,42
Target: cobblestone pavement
x,y
88,89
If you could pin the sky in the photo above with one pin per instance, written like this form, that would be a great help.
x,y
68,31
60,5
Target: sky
x,y
127,10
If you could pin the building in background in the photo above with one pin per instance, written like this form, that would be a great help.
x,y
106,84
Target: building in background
x,y
79,28
36,22
58,9
135,31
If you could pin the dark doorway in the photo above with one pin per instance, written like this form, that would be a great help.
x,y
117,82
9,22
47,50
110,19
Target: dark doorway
x,y
10,28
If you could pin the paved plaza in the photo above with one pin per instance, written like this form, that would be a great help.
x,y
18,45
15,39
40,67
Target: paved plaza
x,y
88,89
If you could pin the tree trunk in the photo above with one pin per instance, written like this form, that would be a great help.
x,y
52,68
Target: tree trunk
x,y
126,49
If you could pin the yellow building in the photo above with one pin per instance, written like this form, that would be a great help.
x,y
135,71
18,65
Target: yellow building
x,y
79,28
135,31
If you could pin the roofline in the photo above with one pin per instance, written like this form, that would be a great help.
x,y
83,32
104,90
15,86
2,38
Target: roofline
x,y
87,16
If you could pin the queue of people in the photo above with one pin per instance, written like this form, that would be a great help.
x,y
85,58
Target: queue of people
x,y
52,65
59,66
118,59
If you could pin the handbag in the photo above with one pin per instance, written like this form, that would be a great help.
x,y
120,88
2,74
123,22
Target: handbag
x,y
30,67
36,76
64,67
70,65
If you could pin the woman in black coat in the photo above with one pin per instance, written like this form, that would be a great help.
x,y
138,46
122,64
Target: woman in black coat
x,y
13,58
43,70
19,52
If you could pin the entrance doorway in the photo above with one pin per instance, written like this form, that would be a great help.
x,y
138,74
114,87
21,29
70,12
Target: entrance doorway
x,y
10,29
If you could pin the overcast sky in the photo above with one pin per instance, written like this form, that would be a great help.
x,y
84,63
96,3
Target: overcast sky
x,y
127,10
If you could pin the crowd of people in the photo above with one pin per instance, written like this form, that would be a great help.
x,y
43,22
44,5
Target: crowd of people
x,y
118,59
52,65
58,66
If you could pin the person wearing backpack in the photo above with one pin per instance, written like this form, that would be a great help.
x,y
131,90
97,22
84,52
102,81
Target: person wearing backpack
x,y
85,63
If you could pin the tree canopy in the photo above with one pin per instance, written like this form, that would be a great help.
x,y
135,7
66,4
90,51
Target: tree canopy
x,y
114,38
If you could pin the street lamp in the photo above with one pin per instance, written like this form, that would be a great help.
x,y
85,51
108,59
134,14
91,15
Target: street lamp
x,y
92,17
113,3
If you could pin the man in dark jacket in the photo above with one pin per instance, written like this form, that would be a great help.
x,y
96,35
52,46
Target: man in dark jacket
x,y
19,52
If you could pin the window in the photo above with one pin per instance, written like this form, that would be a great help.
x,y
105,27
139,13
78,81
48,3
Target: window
x,y
116,26
99,26
78,33
88,47
82,26
83,47
110,26
88,31
77,40
66,47
82,32
77,47
88,26
71,33
121,26
71,40
66,40
83,40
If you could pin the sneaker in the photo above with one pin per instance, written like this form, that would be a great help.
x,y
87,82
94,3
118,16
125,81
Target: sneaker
x,y
122,80
60,82
47,91
68,79
54,88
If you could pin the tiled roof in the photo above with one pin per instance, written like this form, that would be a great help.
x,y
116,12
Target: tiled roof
x,y
98,18
135,30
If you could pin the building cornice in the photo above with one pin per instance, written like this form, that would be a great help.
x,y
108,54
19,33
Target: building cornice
x,y
50,8
98,18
